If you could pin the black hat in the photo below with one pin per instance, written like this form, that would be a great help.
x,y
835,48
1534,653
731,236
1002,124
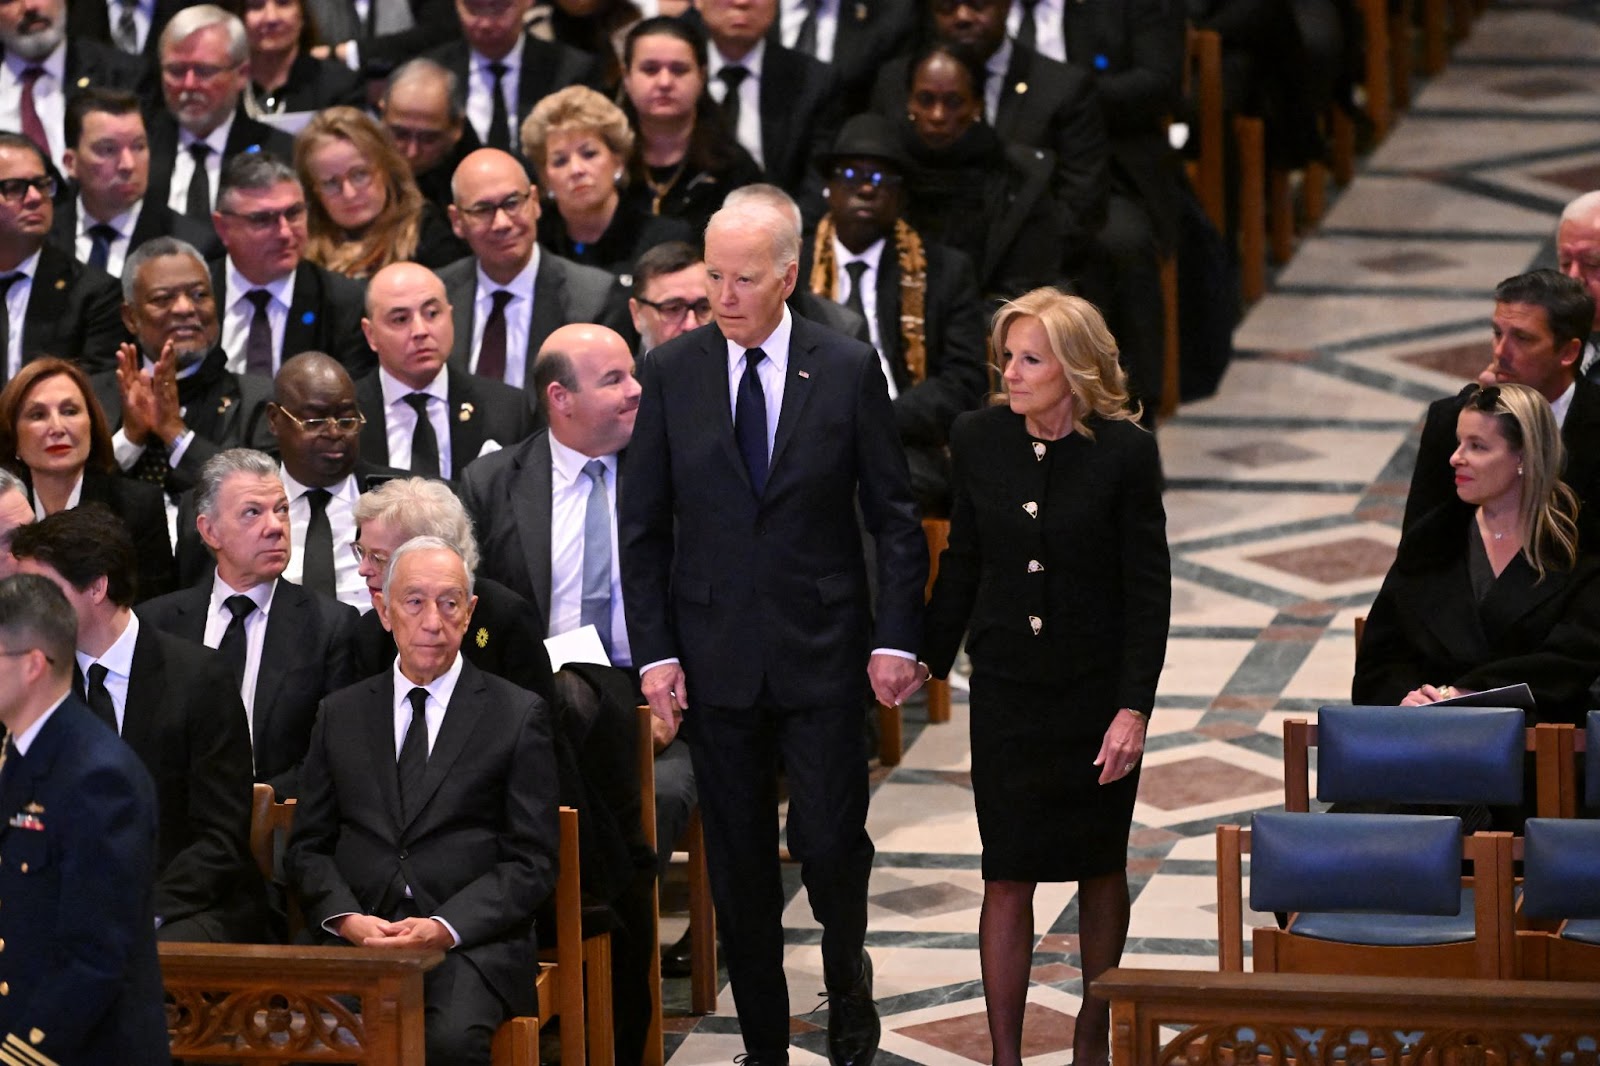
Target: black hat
x,y
867,136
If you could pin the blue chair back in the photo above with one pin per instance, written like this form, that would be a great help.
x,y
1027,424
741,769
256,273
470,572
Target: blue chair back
x,y
1420,754
1375,863
1591,761
1561,867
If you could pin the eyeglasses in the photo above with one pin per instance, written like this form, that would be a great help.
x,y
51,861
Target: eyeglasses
x,y
483,214
359,179
16,189
1486,399
363,553
201,71
674,310
342,424
421,138
878,179
265,221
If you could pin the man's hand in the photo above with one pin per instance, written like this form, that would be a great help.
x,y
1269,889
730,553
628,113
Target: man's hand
x,y
664,689
661,734
168,423
413,933
138,395
894,678
359,928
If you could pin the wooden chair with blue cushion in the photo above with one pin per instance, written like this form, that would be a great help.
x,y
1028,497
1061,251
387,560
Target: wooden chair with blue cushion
x,y
1376,894
1561,885
1560,751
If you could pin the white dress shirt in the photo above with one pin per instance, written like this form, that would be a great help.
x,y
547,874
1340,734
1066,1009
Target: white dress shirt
x,y
118,661
1048,27
183,164
998,66
1562,404
569,503
49,96
117,247
792,15
749,132
24,740
400,418
143,17
17,308
219,617
480,92
869,297
240,312
519,312
351,586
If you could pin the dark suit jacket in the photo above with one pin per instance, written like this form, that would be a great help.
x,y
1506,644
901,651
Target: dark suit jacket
x,y
305,654
1427,627
825,312
1433,480
563,292
546,66
482,410
799,117
508,497
770,591
155,219
434,21
1104,592
74,312
143,510
865,37
184,720
481,851
325,316
92,19
78,924
246,134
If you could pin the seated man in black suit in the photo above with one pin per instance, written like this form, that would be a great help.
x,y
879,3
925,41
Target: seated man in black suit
x,y
425,109
511,294
1541,321
376,36
920,300
177,706
410,325
70,308
454,848
287,646
273,303
83,983
15,510
172,394
855,45
107,214
204,73
1578,256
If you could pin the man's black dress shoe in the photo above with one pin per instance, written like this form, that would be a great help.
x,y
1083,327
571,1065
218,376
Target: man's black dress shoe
x,y
676,959
853,1027
762,1058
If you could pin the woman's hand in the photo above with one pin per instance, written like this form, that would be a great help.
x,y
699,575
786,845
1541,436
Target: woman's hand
x,y
1122,747
1419,697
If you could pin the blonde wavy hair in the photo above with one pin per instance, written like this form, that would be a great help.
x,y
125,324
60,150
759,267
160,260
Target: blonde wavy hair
x,y
577,108
392,237
1082,344
1547,508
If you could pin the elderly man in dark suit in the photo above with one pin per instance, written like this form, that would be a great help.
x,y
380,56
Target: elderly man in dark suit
x,y
745,583
424,108
287,646
422,415
855,40
66,309
454,848
83,982
511,294
176,704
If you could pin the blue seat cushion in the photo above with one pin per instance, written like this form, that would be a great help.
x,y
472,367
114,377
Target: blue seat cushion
x,y
1583,930
1365,863
1561,868
1447,755
1391,930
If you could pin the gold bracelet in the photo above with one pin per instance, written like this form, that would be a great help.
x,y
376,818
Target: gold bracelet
x,y
1145,718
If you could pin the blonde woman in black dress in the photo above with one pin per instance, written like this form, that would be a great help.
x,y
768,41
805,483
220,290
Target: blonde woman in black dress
x,y
1058,575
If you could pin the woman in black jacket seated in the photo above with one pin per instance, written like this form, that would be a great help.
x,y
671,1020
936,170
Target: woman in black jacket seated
x,y
971,190
56,438
1489,590
284,77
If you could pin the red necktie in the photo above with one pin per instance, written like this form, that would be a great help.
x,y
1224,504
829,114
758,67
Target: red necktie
x,y
32,128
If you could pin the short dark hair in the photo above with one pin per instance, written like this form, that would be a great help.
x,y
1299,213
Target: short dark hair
x,y
34,613
253,170
17,140
552,365
961,53
666,26
82,544
1567,304
97,98
668,258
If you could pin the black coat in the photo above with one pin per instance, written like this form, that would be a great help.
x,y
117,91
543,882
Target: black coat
x,y
244,135
481,410
866,35
325,316
92,19
143,510
314,84
74,312
799,119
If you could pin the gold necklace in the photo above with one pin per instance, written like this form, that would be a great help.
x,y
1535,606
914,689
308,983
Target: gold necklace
x,y
661,188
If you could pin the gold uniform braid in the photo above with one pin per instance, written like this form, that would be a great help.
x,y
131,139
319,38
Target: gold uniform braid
x,y
913,288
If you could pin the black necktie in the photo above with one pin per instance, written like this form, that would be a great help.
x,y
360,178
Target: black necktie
x,y
152,465
1027,31
750,421
806,41
853,299
413,762
98,697
317,573
732,76
234,646
100,237
198,204
499,120
258,342
492,351
424,442
5,323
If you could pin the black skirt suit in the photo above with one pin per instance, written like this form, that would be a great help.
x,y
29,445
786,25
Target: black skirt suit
x,y
1058,574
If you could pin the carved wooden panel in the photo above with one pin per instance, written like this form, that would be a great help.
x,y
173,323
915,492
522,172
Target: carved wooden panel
x,y
1244,1043
267,1021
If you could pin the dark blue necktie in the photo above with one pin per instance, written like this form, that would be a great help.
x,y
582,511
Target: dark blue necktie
x,y
750,421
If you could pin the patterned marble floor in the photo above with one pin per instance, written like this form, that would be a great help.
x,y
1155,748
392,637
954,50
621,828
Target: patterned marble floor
x,y
1284,499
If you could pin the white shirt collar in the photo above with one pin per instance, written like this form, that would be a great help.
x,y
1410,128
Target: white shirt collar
x,y
54,64
346,490
122,223
282,289
395,390
1563,403
512,60
521,285
29,266
74,498
24,739
118,658
873,255
567,463
217,138
440,688
751,61
260,595
775,346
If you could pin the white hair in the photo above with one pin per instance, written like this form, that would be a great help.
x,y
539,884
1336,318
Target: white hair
x,y
418,544
764,207
1585,207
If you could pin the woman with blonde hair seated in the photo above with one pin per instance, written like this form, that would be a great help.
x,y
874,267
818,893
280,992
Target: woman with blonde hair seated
x,y
1489,589
1058,576
580,143
363,209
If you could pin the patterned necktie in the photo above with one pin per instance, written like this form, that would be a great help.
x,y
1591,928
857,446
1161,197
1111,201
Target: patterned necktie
x,y
499,119
492,352
750,421
32,128
198,204
732,76
101,234
596,609
258,341
234,645
317,573
125,34
413,761
424,441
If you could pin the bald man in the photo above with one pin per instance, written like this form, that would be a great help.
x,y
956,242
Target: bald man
x,y
423,416
1578,254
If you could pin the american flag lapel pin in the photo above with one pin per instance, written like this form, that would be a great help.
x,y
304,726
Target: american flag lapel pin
x,y
804,373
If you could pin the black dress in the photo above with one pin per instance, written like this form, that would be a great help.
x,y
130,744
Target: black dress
x,y
632,232
1058,574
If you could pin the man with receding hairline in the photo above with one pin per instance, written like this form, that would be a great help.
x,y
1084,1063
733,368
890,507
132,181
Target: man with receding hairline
x,y
424,109
1578,256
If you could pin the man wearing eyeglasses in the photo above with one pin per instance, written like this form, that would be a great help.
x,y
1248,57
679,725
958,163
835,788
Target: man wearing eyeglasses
x,y
274,303
49,302
511,294
205,67
424,109
669,294
287,646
